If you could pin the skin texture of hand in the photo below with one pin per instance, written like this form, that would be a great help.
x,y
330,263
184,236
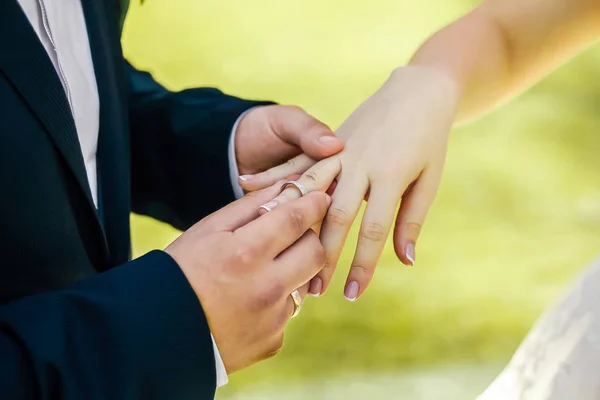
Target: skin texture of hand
x,y
395,150
395,141
243,267
270,135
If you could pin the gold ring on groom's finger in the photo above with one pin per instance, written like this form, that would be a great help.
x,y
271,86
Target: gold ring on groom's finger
x,y
300,187
297,302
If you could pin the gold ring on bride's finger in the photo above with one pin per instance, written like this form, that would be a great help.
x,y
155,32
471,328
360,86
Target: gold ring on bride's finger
x,y
300,187
297,302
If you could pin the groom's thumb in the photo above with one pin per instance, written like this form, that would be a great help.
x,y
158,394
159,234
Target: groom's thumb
x,y
295,126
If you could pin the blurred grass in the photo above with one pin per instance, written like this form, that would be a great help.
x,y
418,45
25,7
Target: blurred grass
x,y
517,215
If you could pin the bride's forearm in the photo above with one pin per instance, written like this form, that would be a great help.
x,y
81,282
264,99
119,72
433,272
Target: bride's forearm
x,y
504,46
474,53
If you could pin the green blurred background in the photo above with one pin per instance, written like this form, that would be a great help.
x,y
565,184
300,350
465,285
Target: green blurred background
x,y
518,213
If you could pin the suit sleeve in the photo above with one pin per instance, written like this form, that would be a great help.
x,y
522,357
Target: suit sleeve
x,y
135,332
179,149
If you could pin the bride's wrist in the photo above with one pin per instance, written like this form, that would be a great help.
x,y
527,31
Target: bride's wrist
x,y
427,88
436,81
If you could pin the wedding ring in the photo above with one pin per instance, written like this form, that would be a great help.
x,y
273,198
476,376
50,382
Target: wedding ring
x,y
300,187
297,302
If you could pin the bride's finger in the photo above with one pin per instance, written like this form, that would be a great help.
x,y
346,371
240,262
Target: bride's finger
x,y
374,230
413,210
294,166
317,178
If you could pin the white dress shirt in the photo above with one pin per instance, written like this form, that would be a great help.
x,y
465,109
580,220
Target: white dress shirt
x,y
60,26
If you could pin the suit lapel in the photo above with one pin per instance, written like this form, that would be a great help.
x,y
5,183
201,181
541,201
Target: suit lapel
x,y
26,64
24,61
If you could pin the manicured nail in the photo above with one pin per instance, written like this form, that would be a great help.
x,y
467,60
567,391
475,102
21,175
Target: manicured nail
x,y
316,284
268,206
327,139
246,178
410,253
351,291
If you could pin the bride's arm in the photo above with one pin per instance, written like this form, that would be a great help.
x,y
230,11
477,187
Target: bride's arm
x,y
396,140
504,46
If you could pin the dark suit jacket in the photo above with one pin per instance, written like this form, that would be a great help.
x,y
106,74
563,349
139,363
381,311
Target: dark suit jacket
x,y
72,324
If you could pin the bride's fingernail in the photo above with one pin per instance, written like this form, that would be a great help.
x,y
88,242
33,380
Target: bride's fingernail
x,y
316,284
246,178
265,208
351,291
410,253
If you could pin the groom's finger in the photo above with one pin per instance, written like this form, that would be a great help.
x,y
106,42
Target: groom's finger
x,y
276,231
295,126
240,212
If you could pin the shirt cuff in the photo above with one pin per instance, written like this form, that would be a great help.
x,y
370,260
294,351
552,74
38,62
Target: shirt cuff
x,y
233,168
222,378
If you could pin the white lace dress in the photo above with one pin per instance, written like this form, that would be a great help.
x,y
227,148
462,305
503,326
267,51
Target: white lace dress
x,y
560,358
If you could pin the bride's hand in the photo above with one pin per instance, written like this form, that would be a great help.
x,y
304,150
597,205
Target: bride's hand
x,y
395,150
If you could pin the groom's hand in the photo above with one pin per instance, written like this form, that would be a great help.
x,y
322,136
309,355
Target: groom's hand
x,y
243,268
270,135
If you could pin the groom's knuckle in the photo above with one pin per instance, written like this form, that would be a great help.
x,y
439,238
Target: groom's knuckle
x,y
337,216
373,231
321,126
294,108
315,255
317,250
275,346
267,298
296,221
245,255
